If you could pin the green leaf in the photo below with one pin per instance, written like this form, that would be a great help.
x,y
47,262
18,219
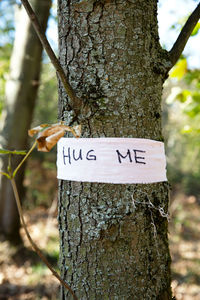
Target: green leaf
x,y
196,29
183,96
192,110
179,69
16,152
186,129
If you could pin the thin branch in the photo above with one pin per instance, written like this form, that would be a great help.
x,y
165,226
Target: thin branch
x,y
75,102
35,247
184,35
5,174
25,157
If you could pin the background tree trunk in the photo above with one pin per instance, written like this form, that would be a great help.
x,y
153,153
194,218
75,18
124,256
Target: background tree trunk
x,y
112,248
21,93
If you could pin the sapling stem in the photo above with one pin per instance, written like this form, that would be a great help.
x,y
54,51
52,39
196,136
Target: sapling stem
x,y
35,247
23,160
11,176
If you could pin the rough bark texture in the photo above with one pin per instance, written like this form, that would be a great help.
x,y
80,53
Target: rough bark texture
x,y
21,93
111,248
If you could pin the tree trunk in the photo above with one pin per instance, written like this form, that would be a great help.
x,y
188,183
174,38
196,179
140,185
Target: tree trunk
x,y
21,93
114,242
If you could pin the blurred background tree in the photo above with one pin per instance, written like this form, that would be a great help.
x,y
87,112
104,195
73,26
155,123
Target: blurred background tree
x,y
20,96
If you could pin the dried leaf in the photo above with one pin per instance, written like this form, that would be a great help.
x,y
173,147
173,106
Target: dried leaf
x,y
49,137
46,143
77,130
37,129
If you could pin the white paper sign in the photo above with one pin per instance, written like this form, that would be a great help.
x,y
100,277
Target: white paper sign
x,y
111,160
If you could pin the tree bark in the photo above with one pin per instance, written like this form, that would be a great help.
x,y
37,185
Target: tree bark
x,y
114,243
21,94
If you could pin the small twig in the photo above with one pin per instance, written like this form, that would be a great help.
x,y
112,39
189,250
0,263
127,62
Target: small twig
x,y
75,102
184,35
25,157
35,247
5,174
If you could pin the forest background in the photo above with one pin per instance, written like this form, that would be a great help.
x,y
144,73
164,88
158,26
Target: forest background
x,y
20,270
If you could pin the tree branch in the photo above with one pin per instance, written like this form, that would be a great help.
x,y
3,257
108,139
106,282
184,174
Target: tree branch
x,y
184,35
75,102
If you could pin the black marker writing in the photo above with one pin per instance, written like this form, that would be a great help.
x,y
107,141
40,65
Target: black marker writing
x,y
139,157
128,155
66,156
79,156
90,156
119,155
70,155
